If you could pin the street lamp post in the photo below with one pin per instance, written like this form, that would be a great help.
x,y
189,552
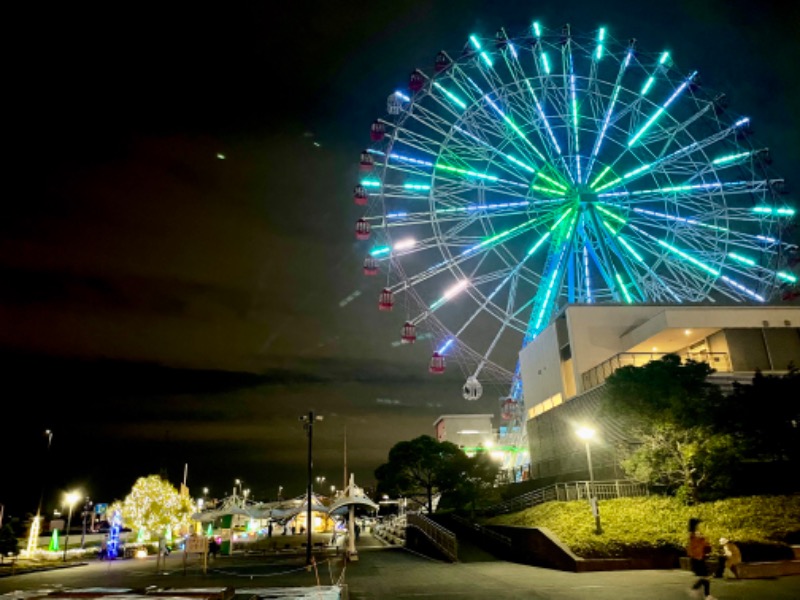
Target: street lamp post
x,y
587,434
308,425
87,508
71,498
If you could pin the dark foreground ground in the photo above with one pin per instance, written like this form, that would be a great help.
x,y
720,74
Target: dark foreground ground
x,y
384,572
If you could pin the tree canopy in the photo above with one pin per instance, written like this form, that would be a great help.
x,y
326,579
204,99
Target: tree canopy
x,y
673,411
154,506
421,467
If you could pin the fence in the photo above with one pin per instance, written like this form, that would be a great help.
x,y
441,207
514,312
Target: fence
x,y
442,538
573,490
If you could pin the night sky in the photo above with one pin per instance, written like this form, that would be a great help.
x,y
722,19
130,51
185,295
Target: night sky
x,y
160,306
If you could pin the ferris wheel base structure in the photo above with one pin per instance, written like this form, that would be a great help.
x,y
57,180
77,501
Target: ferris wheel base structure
x,y
527,173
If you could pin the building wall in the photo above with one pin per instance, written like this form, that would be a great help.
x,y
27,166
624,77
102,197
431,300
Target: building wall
x,y
449,427
765,338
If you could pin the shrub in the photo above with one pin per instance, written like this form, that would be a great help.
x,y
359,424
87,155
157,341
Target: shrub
x,y
639,526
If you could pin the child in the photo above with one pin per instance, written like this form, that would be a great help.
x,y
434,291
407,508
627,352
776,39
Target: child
x,y
732,558
697,548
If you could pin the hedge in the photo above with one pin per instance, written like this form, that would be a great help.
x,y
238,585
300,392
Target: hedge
x,y
762,525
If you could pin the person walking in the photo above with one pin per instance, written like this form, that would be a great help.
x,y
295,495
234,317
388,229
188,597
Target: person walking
x,y
697,548
730,559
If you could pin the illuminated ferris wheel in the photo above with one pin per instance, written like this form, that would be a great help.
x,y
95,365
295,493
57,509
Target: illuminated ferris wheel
x,y
531,172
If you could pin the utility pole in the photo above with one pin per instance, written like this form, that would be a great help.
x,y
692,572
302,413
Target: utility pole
x,y
87,508
308,421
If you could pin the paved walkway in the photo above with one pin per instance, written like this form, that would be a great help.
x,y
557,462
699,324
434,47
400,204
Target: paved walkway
x,y
383,572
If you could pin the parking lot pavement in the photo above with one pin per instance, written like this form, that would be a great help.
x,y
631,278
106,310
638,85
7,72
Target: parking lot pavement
x,y
386,572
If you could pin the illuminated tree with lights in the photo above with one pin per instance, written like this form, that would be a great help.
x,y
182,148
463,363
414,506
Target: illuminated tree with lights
x,y
153,507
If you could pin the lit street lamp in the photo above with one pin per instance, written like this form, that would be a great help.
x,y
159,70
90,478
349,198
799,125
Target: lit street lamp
x,y
320,481
587,434
71,499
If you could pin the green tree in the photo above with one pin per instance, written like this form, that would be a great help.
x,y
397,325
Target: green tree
x,y
477,476
153,506
420,467
764,416
9,543
671,409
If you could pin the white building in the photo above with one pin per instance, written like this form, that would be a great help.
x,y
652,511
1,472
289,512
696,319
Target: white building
x,y
570,360
468,432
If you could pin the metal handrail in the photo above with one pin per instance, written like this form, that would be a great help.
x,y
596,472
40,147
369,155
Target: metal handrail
x,y
444,539
484,531
573,490
598,374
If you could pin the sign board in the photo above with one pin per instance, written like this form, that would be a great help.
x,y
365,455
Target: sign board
x,y
197,544
100,509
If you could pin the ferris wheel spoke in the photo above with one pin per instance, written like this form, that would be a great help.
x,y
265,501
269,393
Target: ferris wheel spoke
x,y
609,112
485,99
523,84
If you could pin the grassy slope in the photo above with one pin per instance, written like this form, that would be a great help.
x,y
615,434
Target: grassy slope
x,y
632,525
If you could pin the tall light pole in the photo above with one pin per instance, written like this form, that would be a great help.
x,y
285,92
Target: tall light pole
x,y
71,499
87,510
308,425
587,434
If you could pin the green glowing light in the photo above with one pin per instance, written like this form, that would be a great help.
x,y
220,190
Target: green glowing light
x,y
380,250
742,259
466,172
537,29
609,184
647,85
646,126
630,249
546,63
628,298
769,210
609,227
564,216
611,214
663,58
373,183
455,99
691,259
475,42
516,161
553,181
786,276
536,246
729,158
600,176
539,188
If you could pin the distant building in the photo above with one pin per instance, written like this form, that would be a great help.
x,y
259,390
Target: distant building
x,y
564,369
468,432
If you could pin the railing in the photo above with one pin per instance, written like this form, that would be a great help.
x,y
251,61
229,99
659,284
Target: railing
x,y
574,490
597,375
442,538
602,490
483,531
